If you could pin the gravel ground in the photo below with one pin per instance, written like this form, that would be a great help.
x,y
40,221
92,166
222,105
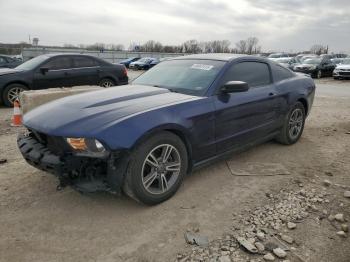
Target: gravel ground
x,y
38,223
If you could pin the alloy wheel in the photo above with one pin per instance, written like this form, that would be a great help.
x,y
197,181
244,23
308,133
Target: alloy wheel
x,y
319,74
295,123
107,84
13,94
161,169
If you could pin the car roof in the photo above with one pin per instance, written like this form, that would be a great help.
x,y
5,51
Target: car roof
x,y
68,54
211,56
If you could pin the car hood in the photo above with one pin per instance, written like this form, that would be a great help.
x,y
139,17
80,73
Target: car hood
x,y
343,67
7,71
89,113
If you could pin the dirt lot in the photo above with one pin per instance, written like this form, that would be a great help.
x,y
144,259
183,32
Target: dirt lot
x,y
38,223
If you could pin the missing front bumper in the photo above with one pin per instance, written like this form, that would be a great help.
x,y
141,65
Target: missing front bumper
x,y
85,174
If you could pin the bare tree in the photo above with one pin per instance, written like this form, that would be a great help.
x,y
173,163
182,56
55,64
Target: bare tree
x,y
319,49
191,46
252,43
115,47
248,46
241,46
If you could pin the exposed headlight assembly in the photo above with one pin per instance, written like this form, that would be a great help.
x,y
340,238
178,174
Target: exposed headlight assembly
x,y
87,146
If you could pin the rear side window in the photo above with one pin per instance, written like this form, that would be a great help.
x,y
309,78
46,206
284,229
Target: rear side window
x,y
280,73
59,63
253,73
83,62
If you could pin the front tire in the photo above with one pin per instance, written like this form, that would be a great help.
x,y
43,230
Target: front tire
x,y
156,169
11,93
293,126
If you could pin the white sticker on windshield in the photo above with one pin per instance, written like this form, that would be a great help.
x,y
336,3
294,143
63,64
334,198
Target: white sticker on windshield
x,y
202,67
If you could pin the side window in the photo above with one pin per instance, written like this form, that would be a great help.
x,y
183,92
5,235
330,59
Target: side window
x,y
2,61
59,63
83,62
280,73
253,73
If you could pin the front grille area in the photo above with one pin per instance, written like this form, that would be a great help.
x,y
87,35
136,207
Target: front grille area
x,y
55,144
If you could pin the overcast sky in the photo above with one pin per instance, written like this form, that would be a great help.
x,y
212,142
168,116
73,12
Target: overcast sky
x,y
280,25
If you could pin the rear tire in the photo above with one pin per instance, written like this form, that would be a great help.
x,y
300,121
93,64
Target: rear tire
x,y
293,125
107,82
156,169
11,93
319,74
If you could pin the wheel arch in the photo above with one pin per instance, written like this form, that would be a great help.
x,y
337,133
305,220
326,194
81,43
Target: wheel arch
x,y
177,130
305,104
114,79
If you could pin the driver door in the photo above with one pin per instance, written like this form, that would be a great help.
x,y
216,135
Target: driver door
x,y
57,74
244,117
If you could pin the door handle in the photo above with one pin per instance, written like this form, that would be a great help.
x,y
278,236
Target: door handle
x,y
272,94
66,73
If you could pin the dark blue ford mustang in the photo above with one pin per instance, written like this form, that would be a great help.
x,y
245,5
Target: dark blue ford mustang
x,y
145,137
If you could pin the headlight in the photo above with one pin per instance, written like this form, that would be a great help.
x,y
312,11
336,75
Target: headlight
x,y
89,145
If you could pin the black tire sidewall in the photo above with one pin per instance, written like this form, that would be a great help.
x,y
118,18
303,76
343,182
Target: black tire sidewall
x,y
135,167
7,89
286,129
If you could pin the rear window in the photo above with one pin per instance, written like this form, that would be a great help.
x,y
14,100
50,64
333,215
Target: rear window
x,y
280,73
83,62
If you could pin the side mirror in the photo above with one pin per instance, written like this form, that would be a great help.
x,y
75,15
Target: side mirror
x,y
44,70
234,87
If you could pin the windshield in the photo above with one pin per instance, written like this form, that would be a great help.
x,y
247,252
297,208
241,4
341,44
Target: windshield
x,y
313,61
32,63
184,76
346,61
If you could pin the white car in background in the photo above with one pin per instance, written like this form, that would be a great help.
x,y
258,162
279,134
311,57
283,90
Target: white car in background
x,y
275,56
342,71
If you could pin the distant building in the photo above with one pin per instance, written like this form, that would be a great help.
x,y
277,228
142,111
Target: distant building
x,y
35,41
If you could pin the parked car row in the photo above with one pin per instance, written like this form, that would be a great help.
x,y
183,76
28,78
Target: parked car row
x,y
59,70
314,65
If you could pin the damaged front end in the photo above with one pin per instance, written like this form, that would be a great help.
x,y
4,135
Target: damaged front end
x,y
83,170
